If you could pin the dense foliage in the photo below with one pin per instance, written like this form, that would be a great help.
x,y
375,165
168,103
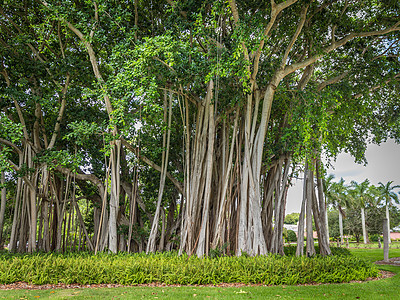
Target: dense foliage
x,y
179,125
169,268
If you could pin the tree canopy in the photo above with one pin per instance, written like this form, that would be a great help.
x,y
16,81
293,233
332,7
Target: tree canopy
x,y
180,124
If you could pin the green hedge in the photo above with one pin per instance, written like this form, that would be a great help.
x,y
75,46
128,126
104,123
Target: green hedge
x,y
169,268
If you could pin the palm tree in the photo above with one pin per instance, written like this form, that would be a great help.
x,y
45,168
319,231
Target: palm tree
x,y
360,197
336,193
388,194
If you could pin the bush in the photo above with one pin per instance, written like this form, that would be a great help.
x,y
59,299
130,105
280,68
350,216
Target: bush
x,y
169,268
291,236
374,237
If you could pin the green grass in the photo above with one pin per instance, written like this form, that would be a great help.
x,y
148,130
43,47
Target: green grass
x,y
380,289
394,245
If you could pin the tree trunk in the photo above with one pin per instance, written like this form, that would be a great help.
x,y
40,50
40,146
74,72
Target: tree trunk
x,y
319,213
321,200
277,245
2,208
388,220
300,227
309,226
16,217
320,227
386,238
364,229
341,227
151,245
114,199
203,247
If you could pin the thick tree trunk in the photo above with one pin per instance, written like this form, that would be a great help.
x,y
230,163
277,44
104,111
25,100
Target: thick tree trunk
x,y
114,199
223,203
250,236
321,201
203,246
197,178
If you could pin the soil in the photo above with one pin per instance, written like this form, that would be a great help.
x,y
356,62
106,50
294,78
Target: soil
x,y
395,261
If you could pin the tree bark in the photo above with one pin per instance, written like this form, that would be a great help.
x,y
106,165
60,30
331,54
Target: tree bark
x,y
151,245
364,229
203,247
341,227
309,225
386,238
388,219
114,199
300,227
2,207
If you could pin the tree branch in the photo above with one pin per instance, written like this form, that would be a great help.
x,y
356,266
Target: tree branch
x,y
275,10
295,36
332,80
93,61
12,145
60,114
296,66
96,18
152,164
85,177
26,179
376,87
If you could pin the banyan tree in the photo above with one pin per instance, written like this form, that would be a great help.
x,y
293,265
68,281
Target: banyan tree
x,y
135,126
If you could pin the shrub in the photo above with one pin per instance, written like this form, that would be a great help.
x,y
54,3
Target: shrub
x,y
374,238
285,234
169,268
291,236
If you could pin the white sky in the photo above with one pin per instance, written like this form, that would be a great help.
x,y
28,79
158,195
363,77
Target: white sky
x,y
383,166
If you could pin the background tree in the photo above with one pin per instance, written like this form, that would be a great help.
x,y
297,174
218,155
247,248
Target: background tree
x,y
292,218
360,198
388,194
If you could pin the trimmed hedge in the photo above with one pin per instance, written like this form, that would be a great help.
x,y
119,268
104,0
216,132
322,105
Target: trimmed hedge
x,y
169,268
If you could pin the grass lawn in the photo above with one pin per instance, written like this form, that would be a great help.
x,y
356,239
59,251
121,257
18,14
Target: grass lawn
x,y
380,289
393,245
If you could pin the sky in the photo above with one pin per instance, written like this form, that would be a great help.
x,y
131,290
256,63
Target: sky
x,y
383,166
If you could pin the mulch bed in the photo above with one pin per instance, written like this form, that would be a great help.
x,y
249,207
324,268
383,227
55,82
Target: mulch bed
x,y
395,261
